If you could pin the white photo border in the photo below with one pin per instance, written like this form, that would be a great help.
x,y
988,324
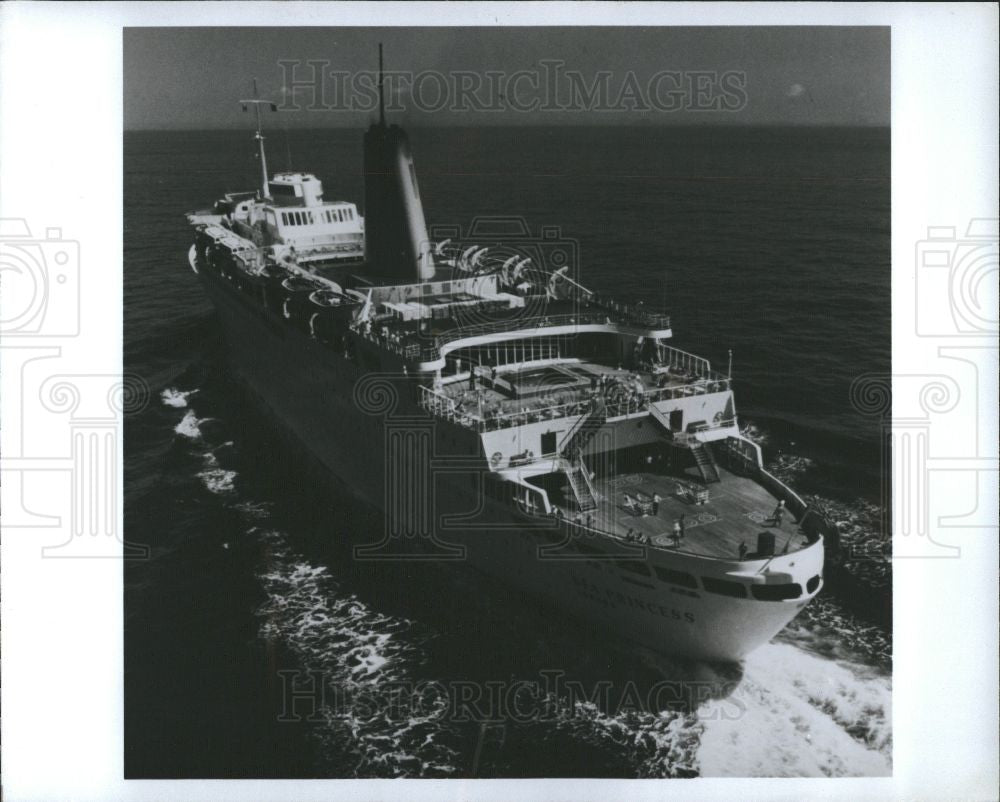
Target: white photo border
x,y
61,127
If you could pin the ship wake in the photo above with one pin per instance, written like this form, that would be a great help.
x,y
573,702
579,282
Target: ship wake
x,y
823,701
360,655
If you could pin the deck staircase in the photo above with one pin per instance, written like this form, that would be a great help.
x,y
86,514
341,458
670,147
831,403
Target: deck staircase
x,y
589,425
705,461
579,482
702,453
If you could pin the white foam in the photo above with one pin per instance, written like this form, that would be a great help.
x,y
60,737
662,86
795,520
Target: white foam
x,y
822,718
254,510
358,651
189,426
173,397
218,480
753,432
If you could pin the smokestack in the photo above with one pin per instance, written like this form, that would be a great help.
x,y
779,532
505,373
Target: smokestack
x,y
396,242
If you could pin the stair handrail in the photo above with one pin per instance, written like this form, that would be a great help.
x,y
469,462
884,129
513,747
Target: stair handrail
x,y
586,477
568,437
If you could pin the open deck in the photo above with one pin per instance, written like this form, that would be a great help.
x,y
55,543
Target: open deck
x,y
487,399
737,510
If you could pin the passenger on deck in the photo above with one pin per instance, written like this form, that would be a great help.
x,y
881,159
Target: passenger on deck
x,y
778,513
629,504
743,550
656,502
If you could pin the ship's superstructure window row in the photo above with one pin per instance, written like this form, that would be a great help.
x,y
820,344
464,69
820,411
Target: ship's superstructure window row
x,y
309,218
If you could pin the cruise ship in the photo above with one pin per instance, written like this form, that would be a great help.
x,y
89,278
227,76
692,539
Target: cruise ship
x,y
502,416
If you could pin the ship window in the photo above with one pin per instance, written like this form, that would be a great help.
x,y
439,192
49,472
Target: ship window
x,y
776,592
723,587
813,583
676,577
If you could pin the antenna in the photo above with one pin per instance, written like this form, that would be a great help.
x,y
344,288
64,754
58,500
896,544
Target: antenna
x,y
381,97
257,102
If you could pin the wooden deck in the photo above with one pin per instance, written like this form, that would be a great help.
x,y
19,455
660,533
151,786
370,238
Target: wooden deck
x,y
738,509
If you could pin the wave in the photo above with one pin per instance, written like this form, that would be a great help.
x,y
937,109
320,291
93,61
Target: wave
x,y
360,655
172,397
789,713
824,711
216,479
822,718
190,426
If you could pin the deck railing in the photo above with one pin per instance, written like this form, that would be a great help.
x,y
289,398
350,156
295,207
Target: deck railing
x,y
471,415
682,360
427,346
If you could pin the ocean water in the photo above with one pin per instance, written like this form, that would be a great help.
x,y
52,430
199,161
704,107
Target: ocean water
x,y
256,647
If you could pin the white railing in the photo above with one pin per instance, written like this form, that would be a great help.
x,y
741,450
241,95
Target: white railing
x,y
530,499
682,360
616,405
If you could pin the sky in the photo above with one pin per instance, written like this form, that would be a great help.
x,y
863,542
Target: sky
x,y
193,78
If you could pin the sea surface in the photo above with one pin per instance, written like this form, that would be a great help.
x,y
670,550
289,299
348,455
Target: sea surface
x,y
256,647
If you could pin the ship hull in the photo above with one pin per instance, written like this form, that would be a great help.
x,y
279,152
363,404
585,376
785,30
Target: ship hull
x,y
364,430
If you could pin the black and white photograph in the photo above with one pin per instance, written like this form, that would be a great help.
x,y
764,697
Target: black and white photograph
x,y
509,418
532,400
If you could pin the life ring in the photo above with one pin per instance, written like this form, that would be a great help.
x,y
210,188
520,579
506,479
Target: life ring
x,y
497,458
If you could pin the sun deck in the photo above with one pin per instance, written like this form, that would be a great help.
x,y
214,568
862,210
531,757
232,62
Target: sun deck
x,y
484,398
737,510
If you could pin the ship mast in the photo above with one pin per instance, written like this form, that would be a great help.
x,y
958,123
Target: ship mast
x,y
257,102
